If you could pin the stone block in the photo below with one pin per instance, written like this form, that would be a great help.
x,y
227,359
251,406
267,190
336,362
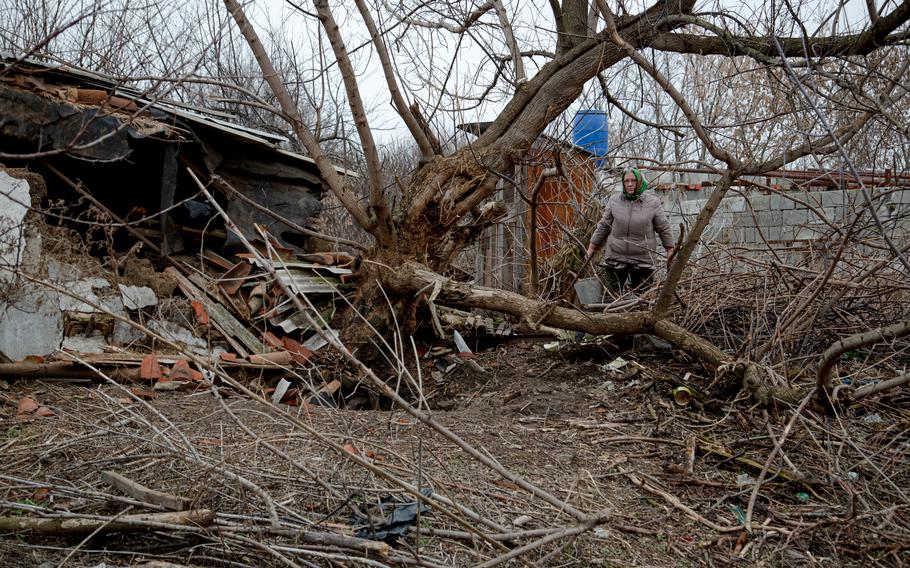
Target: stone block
x,y
795,217
735,204
743,220
832,198
779,202
761,202
729,235
804,233
814,198
785,233
772,218
722,219
691,207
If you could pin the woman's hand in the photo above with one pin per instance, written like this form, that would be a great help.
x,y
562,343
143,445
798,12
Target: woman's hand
x,y
590,252
670,252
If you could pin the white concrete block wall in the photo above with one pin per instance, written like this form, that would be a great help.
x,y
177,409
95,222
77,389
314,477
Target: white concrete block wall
x,y
782,220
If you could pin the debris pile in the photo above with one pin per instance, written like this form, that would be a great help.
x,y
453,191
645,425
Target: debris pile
x,y
64,308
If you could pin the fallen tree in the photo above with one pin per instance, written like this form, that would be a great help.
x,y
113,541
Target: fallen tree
x,y
446,203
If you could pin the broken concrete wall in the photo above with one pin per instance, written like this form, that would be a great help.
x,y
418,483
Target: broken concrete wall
x,y
36,319
31,322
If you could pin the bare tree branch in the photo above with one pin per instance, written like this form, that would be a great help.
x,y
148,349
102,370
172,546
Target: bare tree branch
x,y
326,168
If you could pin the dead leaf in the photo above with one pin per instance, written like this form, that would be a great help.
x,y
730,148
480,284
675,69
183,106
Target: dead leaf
x,y
125,401
40,494
228,357
144,394
44,412
374,456
210,442
506,484
34,359
349,447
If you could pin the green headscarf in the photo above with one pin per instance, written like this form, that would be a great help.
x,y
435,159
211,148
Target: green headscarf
x,y
642,185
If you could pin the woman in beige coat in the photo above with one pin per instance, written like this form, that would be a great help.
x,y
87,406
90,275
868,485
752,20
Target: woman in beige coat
x,y
629,225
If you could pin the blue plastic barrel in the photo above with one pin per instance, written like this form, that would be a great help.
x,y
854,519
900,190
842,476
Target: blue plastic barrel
x,y
589,131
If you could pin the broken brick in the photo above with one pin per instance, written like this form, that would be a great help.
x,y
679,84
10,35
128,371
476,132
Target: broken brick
x,y
181,371
233,279
282,358
272,340
299,353
44,412
150,369
27,407
202,317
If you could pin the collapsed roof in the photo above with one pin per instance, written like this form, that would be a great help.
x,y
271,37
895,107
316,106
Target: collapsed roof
x,y
132,151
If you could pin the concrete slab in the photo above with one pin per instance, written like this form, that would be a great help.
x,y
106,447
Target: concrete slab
x,y
735,204
30,323
783,203
14,201
833,198
136,297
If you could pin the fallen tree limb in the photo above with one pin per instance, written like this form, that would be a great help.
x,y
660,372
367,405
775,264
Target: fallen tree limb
x,y
867,390
119,370
833,354
413,278
126,523
144,494
690,343
67,370
354,543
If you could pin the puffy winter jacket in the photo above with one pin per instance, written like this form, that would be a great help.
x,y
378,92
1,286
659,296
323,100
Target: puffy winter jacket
x,y
629,228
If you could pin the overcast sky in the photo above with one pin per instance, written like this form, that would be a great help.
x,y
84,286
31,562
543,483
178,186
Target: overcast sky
x,y
533,25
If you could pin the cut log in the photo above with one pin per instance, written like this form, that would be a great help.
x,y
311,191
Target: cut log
x,y
125,523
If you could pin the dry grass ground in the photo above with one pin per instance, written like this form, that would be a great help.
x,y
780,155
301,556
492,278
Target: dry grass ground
x,y
676,480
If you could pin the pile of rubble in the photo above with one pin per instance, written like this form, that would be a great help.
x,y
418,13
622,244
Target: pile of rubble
x,y
64,309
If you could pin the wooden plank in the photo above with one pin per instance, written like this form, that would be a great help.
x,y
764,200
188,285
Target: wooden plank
x,y
223,321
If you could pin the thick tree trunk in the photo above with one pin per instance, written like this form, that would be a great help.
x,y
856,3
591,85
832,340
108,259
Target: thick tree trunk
x,y
412,280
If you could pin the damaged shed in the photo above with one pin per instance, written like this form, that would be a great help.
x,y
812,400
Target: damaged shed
x,y
81,153
131,152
